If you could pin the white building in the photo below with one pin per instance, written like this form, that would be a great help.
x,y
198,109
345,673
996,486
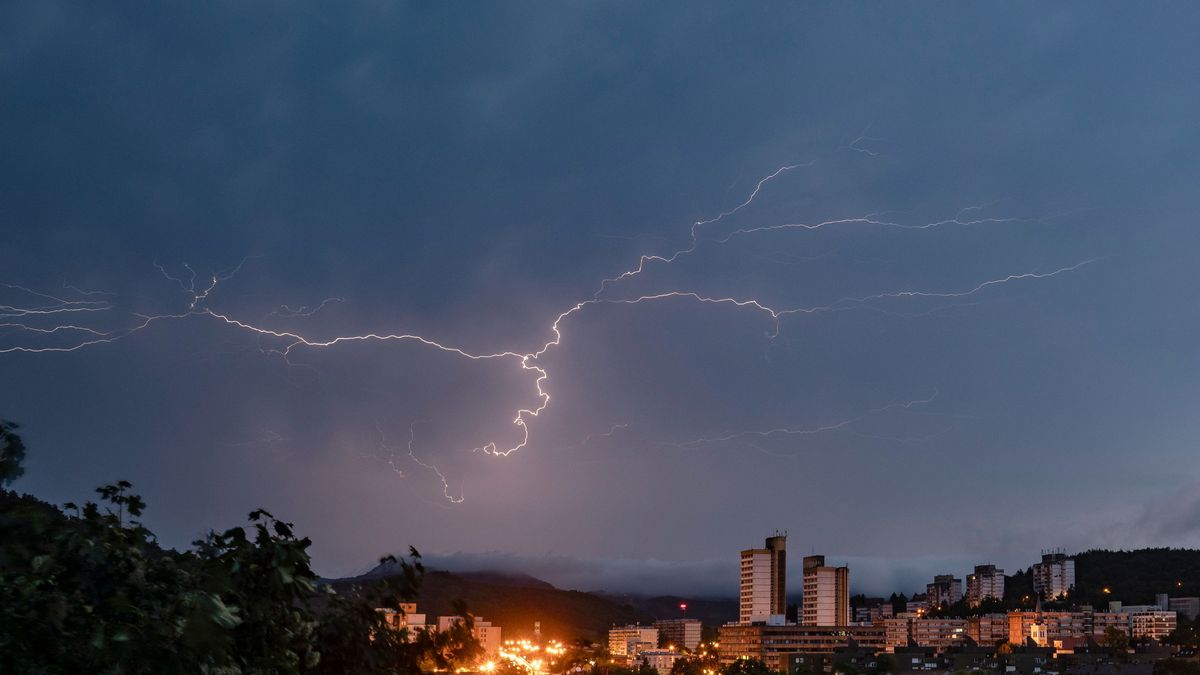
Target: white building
x,y
406,618
626,641
985,582
762,590
680,633
484,632
660,659
1054,576
826,593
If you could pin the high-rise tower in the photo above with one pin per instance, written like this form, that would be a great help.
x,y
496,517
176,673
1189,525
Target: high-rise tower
x,y
763,585
826,593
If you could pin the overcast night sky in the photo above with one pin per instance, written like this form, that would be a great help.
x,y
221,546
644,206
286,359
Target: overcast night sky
x,y
1021,374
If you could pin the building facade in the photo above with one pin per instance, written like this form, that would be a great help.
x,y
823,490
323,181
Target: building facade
x,y
762,590
826,594
680,633
1156,625
488,635
945,590
1188,608
988,629
772,643
626,641
661,660
985,582
406,618
1054,576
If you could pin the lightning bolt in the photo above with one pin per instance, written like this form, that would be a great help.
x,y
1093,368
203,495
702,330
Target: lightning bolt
x,y
412,454
854,145
199,290
803,431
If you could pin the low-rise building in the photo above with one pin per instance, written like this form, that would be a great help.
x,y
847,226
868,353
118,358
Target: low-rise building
x,y
1155,625
938,633
625,641
919,604
896,631
1045,627
771,643
405,618
488,635
988,629
661,660
1102,621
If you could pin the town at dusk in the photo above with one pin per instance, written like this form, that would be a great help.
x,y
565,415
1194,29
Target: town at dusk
x,y
599,338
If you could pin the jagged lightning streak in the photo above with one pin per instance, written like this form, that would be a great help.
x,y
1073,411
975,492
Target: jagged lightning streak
x,y
853,146
286,342
287,312
868,219
57,306
608,433
268,438
695,241
803,431
412,454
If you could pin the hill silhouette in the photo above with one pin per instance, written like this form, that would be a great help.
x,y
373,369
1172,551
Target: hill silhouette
x,y
516,601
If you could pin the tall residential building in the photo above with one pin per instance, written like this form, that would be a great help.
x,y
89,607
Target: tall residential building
x,y
945,590
629,640
763,588
683,633
826,593
1054,576
986,582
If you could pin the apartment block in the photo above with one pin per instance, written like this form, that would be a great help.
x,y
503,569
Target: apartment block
x,y
826,593
987,581
773,643
762,591
625,641
684,633
1054,576
945,590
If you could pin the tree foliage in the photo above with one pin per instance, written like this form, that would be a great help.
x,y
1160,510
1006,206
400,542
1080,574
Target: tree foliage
x,y
12,454
88,590
747,667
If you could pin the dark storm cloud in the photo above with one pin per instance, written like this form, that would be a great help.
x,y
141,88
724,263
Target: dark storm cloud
x,y
468,171
1172,519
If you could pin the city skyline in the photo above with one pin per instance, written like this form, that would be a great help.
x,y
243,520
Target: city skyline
x,y
600,295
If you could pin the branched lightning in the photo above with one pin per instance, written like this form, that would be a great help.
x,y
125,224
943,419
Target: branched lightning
x,y
34,316
608,433
802,431
855,145
412,454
